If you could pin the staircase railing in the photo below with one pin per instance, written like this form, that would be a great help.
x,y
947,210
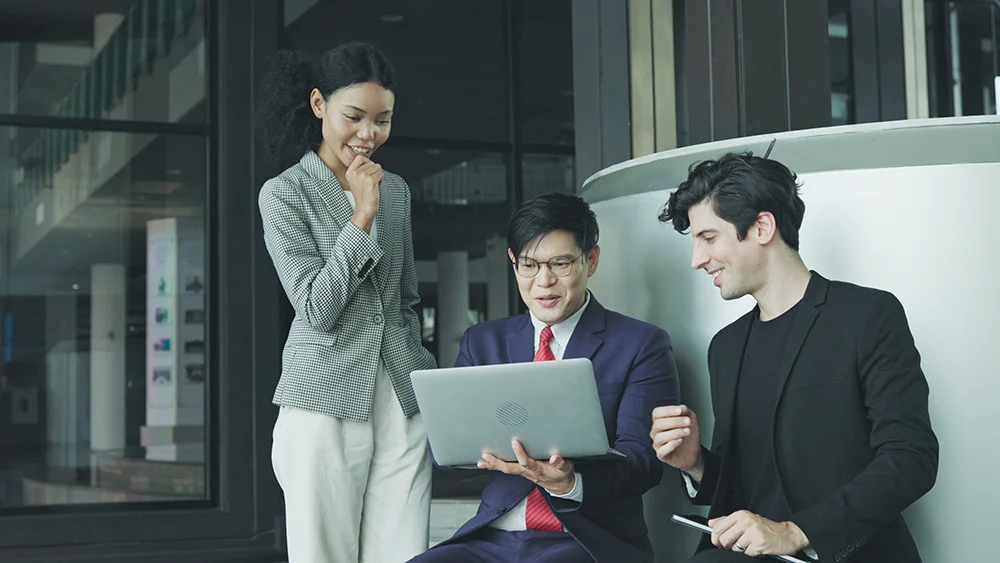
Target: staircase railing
x,y
145,34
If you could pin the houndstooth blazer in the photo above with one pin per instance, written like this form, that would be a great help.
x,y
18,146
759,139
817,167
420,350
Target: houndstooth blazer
x,y
353,296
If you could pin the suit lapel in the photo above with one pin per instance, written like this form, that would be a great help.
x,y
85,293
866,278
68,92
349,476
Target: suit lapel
x,y
585,340
521,340
729,366
583,344
333,195
329,188
814,297
729,375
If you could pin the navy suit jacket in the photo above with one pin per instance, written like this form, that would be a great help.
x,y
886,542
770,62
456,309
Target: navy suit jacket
x,y
635,373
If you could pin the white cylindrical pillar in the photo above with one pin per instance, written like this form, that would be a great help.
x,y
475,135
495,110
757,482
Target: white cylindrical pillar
x,y
453,304
62,395
107,357
497,278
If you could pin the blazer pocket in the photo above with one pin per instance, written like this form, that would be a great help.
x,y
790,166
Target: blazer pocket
x,y
287,357
315,338
812,383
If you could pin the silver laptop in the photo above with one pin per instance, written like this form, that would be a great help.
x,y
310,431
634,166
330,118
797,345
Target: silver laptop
x,y
551,407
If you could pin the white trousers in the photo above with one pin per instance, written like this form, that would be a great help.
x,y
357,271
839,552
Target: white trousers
x,y
354,491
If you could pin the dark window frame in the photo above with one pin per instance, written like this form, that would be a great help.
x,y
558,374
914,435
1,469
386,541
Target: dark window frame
x,y
235,522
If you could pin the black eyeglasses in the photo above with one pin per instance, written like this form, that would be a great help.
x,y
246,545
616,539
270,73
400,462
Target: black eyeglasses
x,y
560,266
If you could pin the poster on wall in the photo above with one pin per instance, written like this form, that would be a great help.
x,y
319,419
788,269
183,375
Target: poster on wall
x,y
161,392
175,331
191,273
175,326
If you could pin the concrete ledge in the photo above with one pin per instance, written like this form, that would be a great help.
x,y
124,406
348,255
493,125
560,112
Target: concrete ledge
x,y
448,515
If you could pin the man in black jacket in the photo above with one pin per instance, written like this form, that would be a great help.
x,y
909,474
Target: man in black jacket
x,y
822,434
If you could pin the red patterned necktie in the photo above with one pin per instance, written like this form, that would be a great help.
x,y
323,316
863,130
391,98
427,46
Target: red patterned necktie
x,y
537,514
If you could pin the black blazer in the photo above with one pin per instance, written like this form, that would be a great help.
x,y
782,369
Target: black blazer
x,y
853,444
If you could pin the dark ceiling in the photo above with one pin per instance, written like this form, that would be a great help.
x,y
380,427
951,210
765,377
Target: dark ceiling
x,y
54,20
451,57
40,9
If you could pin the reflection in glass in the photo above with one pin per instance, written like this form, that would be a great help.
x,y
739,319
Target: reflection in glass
x,y
460,204
144,62
545,173
480,179
459,214
962,59
996,60
545,71
841,79
102,389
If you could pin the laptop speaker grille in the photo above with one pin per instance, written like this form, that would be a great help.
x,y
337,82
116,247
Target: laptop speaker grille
x,y
512,414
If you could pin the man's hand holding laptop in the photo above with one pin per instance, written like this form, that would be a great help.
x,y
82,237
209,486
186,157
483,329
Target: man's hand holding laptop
x,y
555,475
569,382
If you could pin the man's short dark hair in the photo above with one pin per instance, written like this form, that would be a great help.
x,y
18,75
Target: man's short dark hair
x,y
739,187
552,212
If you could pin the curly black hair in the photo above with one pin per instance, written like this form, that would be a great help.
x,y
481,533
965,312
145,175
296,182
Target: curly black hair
x,y
289,126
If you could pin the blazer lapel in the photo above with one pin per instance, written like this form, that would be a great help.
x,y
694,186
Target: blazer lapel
x,y
521,340
814,297
333,195
329,188
728,378
585,340
583,344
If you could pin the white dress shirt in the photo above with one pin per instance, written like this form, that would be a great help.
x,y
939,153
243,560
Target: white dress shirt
x,y
514,519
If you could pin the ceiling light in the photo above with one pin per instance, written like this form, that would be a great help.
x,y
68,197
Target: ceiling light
x,y
391,18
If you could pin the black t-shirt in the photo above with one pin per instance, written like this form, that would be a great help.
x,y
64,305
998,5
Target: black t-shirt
x,y
756,398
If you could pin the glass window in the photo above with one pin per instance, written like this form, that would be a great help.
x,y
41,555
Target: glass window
x,y
938,91
962,58
449,56
459,212
460,205
545,173
131,60
102,296
450,177
841,79
545,71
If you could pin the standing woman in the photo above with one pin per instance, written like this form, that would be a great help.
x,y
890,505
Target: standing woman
x,y
349,448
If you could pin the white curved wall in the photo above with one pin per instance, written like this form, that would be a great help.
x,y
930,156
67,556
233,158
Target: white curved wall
x,y
930,235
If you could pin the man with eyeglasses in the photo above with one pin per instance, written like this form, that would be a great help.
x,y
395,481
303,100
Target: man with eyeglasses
x,y
550,509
